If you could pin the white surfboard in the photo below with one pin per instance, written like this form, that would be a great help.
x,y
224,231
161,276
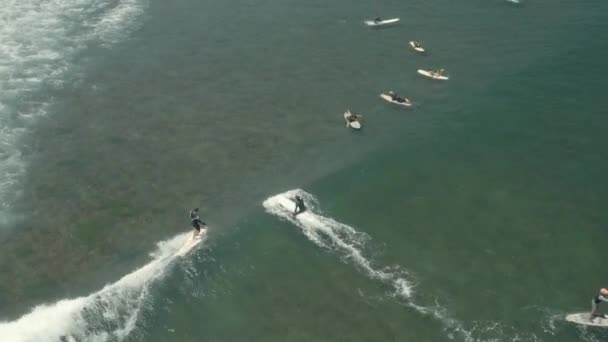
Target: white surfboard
x,y
381,23
584,318
287,203
193,241
388,98
352,124
430,74
417,48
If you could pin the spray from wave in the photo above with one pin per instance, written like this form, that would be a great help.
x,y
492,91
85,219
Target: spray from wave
x,y
107,315
350,244
40,41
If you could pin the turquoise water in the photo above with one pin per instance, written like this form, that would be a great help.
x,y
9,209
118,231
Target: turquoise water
x,y
475,216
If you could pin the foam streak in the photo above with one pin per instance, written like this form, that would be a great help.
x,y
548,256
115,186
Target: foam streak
x,y
39,43
330,234
107,315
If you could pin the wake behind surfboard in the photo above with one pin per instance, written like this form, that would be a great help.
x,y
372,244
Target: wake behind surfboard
x,y
336,236
351,246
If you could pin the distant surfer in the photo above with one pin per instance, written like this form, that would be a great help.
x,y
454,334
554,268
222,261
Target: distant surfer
x,y
397,98
300,207
196,221
595,303
377,20
351,117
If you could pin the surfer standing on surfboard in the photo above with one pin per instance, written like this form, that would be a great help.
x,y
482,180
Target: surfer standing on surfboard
x,y
196,221
595,303
300,207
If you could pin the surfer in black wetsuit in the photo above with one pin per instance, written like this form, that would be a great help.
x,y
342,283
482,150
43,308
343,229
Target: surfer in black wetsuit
x,y
300,207
352,117
393,95
377,20
196,221
595,303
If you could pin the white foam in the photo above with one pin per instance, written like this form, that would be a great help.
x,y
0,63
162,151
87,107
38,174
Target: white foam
x,y
107,315
39,40
344,239
328,233
111,28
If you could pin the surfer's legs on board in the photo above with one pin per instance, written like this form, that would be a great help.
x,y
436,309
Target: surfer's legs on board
x,y
594,314
300,207
593,309
595,303
197,228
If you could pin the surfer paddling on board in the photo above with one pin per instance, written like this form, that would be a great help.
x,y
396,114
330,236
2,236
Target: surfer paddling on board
x,y
300,207
602,296
397,98
196,221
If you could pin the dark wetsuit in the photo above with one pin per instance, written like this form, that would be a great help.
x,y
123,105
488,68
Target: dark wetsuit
x,y
300,207
595,303
196,221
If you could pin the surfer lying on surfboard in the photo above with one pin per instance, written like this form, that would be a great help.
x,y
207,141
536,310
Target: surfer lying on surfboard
x,y
300,207
351,117
595,303
196,221
397,98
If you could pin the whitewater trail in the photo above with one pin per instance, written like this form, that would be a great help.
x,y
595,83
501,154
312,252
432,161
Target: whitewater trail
x,y
40,42
339,237
109,314
350,245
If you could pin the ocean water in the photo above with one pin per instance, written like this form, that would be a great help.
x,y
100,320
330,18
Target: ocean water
x,y
476,215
